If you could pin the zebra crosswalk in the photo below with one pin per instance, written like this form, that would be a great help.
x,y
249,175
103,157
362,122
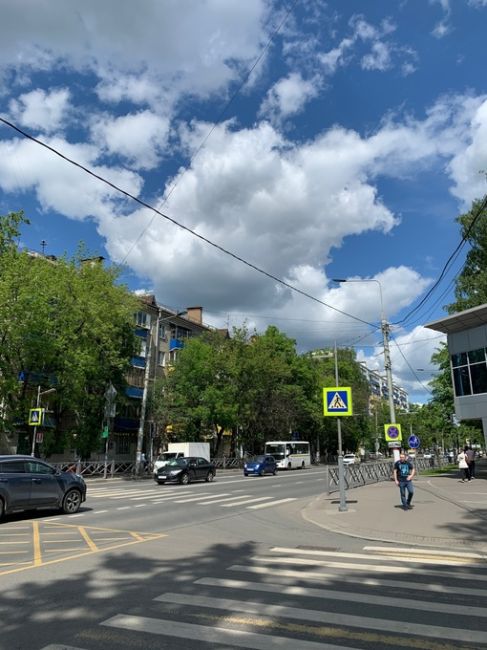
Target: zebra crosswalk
x,y
318,604
198,495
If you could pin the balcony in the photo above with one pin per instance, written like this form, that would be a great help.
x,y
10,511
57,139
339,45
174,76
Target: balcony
x,y
175,344
134,391
138,362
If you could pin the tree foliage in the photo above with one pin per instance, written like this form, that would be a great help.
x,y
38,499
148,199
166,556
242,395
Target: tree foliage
x,y
64,324
256,387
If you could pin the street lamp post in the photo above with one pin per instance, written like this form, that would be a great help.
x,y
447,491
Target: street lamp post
x,y
385,329
341,467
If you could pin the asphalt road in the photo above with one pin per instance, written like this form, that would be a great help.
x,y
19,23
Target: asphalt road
x,y
230,564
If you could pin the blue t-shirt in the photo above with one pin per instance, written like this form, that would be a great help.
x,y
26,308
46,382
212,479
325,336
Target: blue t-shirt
x,y
404,469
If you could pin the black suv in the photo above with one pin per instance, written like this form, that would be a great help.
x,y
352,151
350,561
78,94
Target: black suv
x,y
185,470
28,483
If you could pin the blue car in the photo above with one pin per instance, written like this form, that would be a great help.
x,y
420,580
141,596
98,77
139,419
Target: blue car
x,y
260,465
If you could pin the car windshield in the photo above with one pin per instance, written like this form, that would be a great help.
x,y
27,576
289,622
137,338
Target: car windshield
x,y
257,459
176,462
349,456
277,451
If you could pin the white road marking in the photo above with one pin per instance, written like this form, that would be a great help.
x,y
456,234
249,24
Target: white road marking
x,y
331,578
271,504
387,557
241,503
216,635
209,503
462,634
346,596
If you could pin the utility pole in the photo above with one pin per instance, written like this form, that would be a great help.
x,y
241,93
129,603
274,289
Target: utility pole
x,y
341,467
388,368
148,362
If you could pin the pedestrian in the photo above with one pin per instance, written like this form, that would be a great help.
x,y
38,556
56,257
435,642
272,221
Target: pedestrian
x,y
403,476
463,464
470,454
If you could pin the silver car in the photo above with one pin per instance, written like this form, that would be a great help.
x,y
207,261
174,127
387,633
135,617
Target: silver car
x,y
28,483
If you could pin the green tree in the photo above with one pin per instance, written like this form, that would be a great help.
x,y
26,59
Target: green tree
x,y
63,324
471,284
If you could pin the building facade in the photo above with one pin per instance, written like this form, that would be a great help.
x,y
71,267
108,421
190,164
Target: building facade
x,y
467,345
161,333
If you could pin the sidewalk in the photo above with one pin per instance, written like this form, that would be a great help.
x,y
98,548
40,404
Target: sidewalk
x,y
446,513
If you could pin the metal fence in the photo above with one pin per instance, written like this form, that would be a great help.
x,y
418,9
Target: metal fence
x,y
355,475
360,474
118,468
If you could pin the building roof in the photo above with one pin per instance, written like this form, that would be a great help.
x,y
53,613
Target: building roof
x,y
463,320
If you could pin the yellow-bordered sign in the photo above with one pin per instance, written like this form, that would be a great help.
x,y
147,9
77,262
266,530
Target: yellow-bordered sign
x,y
393,432
36,417
337,400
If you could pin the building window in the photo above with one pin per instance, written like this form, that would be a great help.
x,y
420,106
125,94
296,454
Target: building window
x,y
161,358
142,319
469,372
162,331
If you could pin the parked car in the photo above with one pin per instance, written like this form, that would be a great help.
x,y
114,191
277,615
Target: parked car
x,y
428,454
260,465
350,459
28,483
186,470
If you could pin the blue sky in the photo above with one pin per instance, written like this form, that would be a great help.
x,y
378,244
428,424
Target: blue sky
x,y
358,137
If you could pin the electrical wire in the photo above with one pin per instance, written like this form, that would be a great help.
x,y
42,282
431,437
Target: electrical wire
x,y
428,390
449,261
182,226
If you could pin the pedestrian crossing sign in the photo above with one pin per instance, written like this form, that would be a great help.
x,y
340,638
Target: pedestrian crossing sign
x,y
337,400
36,417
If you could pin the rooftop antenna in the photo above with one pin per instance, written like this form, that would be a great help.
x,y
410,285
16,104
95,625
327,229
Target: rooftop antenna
x,y
43,245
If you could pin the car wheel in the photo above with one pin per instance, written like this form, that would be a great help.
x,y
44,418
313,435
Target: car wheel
x,y
303,465
184,479
161,482
289,465
246,473
209,477
261,473
2,509
273,472
71,502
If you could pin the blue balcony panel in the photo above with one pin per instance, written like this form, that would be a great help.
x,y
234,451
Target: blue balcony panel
x,y
139,331
175,344
138,362
134,391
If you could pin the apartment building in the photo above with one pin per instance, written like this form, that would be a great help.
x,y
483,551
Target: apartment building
x,y
162,333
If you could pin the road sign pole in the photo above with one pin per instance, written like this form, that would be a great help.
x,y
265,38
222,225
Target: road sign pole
x,y
341,467
34,434
341,470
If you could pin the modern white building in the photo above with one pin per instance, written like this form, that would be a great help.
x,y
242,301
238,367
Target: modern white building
x,y
467,344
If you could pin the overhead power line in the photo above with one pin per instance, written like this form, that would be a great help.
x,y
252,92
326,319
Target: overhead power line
x,y
449,261
180,225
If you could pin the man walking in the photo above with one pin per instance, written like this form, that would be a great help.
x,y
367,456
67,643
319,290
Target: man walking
x,y
403,477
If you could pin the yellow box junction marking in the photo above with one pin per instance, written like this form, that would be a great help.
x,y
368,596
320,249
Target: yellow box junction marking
x,y
94,539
